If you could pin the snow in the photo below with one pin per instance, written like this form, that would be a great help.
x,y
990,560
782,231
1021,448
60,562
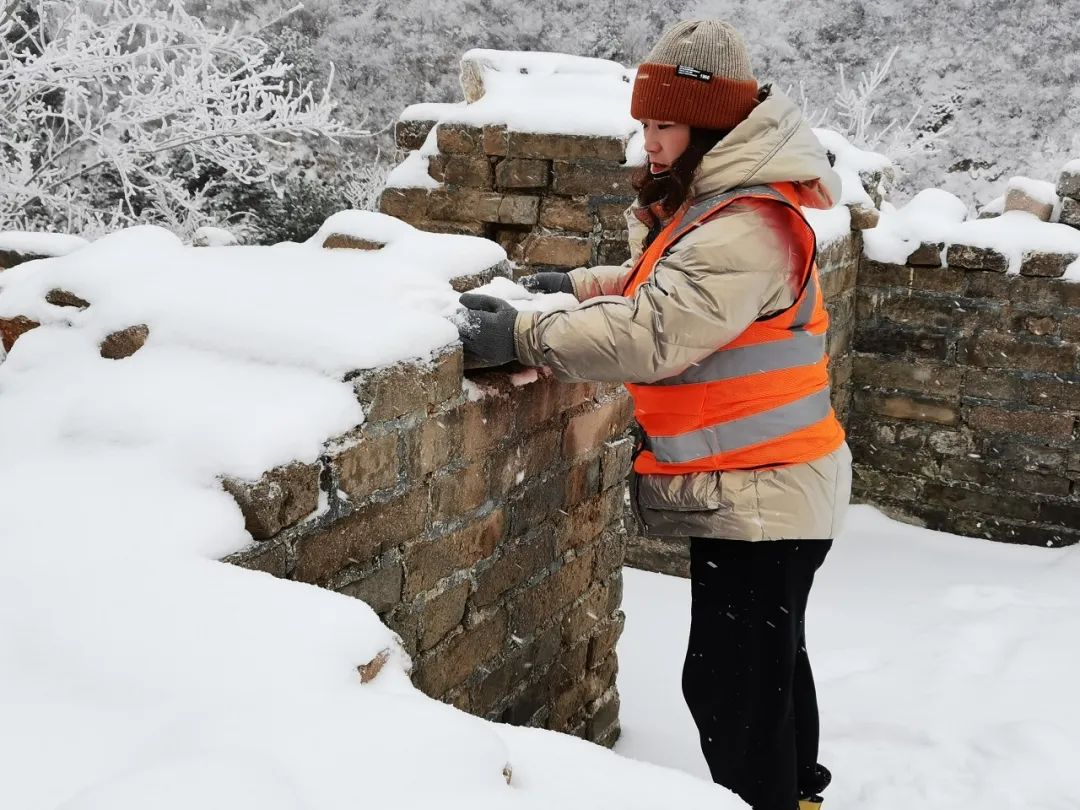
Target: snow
x,y
413,171
943,667
40,244
830,225
931,216
850,162
523,300
1072,167
142,672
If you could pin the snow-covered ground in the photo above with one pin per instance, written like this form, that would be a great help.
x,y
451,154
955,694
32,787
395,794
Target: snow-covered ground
x,y
946,671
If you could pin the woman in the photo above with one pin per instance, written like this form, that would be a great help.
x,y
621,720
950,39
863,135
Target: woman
x,y
717,326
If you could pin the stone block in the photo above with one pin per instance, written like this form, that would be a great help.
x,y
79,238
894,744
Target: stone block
x,y
617,458
582,481
465,654
610,552
971,257
589,430
1017,199
1068,184
901,407
11,329
441,613
610,212
864,217
931,311
995,350
361,537
379,588
1034,324
958,498
343,241
427,561
486,423
565,147
460,139
522,173
512,240
583,523
365,463
410,135
566,214
592,177
457,493
1070,213
125,342
409,204
64,298
839,281
279,499
903,341
436,167
603,714
472,171
1028,455
607,636
1005,386
496,140
515,566
436,441
534,608
1046,265
561,251
272,558
613,249
392,391
935,379
1055,392
12,258
534,503
517,209
1053,427
927,254
524,460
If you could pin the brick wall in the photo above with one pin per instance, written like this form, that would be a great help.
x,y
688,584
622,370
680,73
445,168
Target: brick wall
x,y
966,394
484,528
554,202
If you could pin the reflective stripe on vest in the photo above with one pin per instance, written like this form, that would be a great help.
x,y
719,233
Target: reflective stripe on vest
x,y
785,418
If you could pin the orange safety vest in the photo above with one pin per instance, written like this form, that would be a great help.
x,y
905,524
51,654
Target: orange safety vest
x,y
761,401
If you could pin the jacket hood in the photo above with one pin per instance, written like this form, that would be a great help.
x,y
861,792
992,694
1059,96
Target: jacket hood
x,y
773,144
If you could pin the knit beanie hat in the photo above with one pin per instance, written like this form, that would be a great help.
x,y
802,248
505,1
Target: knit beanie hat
x,y
697,74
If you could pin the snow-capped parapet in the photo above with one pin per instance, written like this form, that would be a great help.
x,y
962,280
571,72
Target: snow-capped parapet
x,y
936,224
17,247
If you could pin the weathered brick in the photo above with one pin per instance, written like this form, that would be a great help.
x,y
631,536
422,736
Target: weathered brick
x,y
589,430
409,204
924,279
885,484
365,463
465,654
430,560
1051,426
588,614
591,177
524,460
535,502
930,311
901,341
1016,199
495,140
566,214
1034,324
610,552
65,298
487,422
279,499
610,212
441,613
273,558
1054,392
562,251
565,147
537,606
473,171
971,257
603,724
454,494
1070,213
582,481
522,173
927,254
392,391
995,350
11,329
436,441
617,458
935,379
583,523
517,209
124,342
1046,265
410,135
1068,184
951,442
515,566
1013,452
1006,386
361,537
838,279
380,588
613,249
460,139
901,407
607,636
989,503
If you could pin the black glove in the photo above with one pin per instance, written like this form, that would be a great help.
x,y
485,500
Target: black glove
x,y
488,332
548,283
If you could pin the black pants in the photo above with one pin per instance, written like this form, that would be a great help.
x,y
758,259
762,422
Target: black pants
x,y
747,677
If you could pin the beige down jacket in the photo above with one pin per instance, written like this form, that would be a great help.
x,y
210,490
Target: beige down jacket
x,y
703,294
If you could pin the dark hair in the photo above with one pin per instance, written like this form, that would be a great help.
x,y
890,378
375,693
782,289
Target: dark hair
x,y
671,189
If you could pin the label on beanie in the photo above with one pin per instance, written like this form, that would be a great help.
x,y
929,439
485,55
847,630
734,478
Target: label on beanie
x,y
692,73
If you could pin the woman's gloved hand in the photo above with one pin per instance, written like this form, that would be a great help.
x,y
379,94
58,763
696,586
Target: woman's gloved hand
x,y
548,283
487,333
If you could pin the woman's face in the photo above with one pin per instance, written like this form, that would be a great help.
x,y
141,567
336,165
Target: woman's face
x,y
664,142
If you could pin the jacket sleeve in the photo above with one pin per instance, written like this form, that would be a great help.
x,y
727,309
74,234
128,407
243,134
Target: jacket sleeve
x,y
715,282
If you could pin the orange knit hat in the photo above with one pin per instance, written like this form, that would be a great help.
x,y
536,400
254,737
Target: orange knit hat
x,y
697,74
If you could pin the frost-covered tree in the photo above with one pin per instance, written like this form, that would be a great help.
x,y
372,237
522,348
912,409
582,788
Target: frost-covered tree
x,y
114,112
